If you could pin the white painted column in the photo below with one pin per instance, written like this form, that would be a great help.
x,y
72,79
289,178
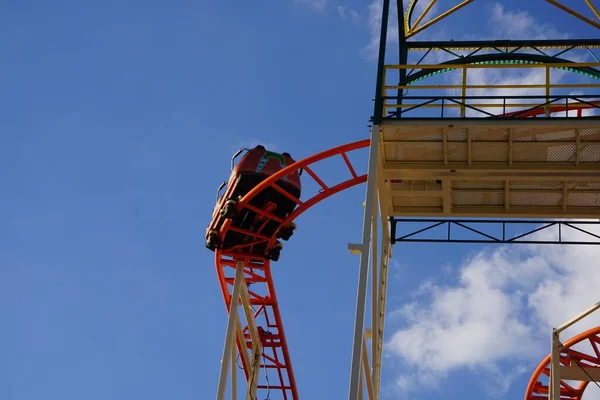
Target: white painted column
x,y
230,336
363,274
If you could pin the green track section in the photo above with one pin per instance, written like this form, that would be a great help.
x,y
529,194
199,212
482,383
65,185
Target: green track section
x,y
585,71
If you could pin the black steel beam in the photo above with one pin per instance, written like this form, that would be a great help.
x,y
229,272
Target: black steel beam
x,y
486,236
402,51
378,110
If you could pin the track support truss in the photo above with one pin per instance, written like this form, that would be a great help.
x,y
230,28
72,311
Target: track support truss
x,y
246,282
495,231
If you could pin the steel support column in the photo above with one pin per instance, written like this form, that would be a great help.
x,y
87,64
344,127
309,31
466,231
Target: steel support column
x,y
363,274
554,392
374,301
230,335
378,111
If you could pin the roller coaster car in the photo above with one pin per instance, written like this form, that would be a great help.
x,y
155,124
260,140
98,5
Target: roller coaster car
x,y
253,168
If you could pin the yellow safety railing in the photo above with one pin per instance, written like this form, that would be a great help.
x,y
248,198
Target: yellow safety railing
x,y
493,102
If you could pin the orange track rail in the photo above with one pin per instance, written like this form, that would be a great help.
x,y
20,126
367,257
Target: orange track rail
x,y
534,112
538,389
276,363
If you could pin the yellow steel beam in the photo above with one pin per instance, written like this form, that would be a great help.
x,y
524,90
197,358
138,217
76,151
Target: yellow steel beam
x,y
365,361
578,373
383,278
438,18
415,28
463,109
371,374
441,193
574,13
593,8
501,172
547,110
499,211
376,335
423,14
240,336
256,342
233,373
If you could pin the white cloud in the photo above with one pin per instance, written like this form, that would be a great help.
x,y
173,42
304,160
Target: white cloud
x,y
374,24
346,13
420,8
316,5
501,311
508,24
486,76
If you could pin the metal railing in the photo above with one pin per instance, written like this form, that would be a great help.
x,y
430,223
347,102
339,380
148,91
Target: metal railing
x,y
496,107
552,102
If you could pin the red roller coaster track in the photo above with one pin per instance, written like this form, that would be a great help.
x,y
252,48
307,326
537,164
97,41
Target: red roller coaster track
x,y
275,354
537,389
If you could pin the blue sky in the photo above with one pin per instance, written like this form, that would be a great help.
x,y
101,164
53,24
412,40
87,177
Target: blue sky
x,y
118,124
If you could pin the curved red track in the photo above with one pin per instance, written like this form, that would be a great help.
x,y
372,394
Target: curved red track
x,y
276,363
553,108
537,389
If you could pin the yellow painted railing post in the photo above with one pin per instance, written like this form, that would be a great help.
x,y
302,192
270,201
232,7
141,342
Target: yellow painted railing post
x,y
384,93
464,92
547,91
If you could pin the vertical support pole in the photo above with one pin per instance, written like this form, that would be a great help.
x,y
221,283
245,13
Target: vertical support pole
x,y
251,392
383,277
360,387
378,111
363,273
233,374
229,336
370,392
554,392
256,343
374,296
463,109
384,109
402,50
547,113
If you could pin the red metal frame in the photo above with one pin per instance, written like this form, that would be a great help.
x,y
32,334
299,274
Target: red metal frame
x,y
538,390
553,109
258,271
